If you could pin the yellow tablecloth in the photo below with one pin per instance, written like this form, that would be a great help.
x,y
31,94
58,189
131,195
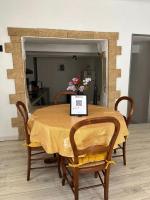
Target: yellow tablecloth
x,y
50,127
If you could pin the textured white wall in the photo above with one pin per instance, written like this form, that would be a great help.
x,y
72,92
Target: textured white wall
x,y
123,16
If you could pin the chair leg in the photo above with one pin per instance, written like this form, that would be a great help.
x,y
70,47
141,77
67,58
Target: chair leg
x,y
115,151
29,164
95,174
59,166
54,155
124,153
76,183
106,183
64,170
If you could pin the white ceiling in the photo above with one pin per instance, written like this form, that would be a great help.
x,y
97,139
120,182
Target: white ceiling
x,y
38,40
56,45
60,54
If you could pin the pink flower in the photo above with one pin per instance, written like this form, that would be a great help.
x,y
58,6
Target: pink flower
x,y
81,88
70,83
76,84
76,80
71,87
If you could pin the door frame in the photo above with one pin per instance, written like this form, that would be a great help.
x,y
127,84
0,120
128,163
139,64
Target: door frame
x,y
17,72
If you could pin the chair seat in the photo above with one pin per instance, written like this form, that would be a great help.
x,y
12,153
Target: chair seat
x,y
88,160
34,144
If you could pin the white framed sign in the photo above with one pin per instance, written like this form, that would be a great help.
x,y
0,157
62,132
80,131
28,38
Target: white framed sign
x,y
78,105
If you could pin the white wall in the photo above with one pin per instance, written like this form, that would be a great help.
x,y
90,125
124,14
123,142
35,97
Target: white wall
x,y
123,16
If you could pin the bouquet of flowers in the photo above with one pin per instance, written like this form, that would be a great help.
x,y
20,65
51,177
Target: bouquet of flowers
x,y
78,85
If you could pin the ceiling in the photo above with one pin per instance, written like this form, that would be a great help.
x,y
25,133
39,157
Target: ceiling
x,y
60,54
35,40
68,47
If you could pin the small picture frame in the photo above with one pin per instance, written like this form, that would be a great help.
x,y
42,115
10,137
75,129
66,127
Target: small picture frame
x,y
78,105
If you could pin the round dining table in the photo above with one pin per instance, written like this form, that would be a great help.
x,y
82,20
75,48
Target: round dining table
x,y
50,127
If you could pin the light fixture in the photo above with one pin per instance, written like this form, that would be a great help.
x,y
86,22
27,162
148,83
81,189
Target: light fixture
x,y
74,57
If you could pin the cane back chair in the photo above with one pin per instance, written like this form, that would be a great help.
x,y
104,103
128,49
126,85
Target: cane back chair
x,y
97,159
127,120
33,149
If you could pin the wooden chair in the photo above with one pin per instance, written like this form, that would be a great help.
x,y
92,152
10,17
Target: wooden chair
x,y
62,93
36,148
72,166
127,120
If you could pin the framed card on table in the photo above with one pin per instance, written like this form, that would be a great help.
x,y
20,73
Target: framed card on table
x,y
78,105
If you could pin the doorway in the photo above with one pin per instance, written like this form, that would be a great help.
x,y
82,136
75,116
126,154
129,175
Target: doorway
x,y
50,68
139,84
17,71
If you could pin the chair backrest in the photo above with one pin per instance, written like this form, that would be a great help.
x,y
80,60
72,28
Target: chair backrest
x,y
21,107
62,93
130,108
97,148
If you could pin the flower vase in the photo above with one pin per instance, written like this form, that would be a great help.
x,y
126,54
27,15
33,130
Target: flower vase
x,y
79,93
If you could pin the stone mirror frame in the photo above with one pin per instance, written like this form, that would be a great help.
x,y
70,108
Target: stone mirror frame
x,y
17,71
